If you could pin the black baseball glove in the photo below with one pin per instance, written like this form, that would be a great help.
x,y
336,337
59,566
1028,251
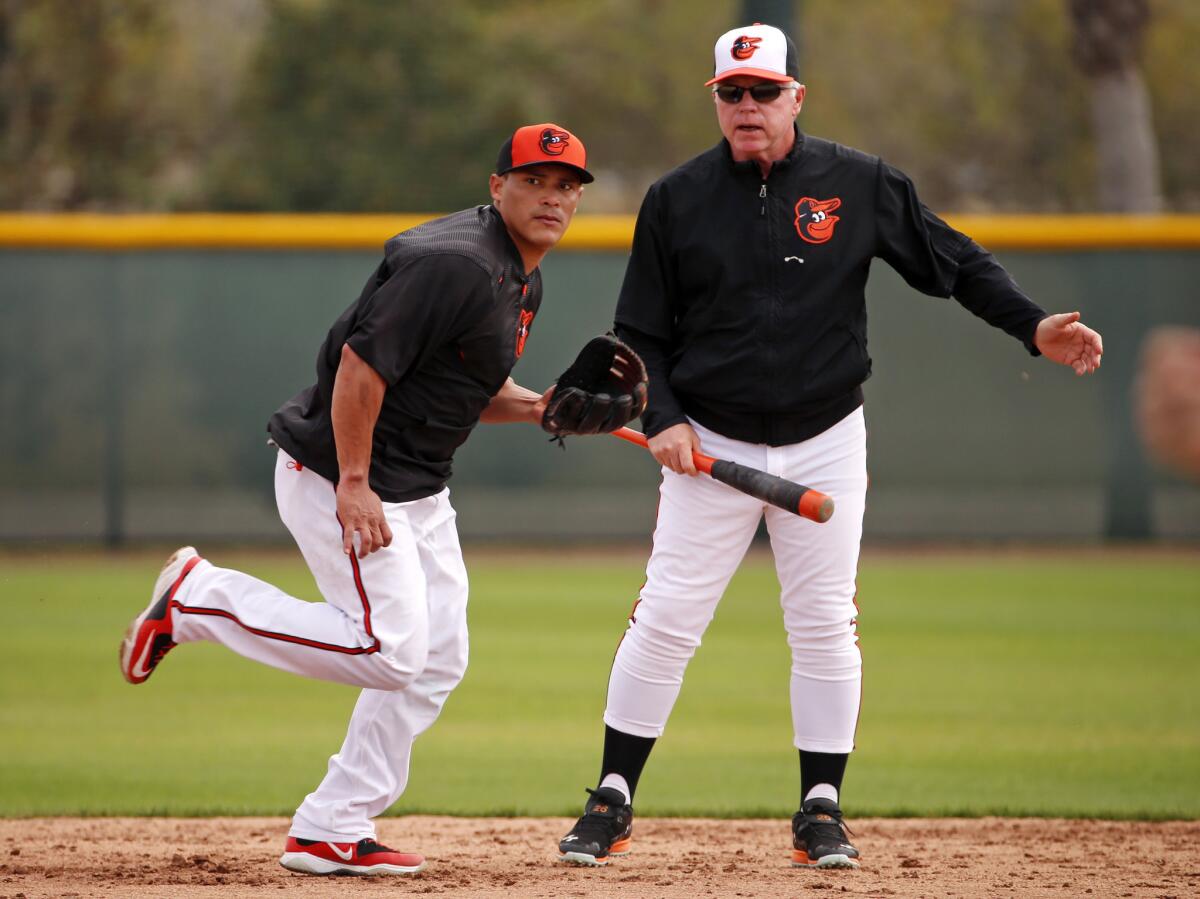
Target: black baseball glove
x,y
604,389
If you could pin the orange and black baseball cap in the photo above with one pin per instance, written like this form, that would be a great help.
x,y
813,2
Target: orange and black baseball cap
x,y
543,144
758,50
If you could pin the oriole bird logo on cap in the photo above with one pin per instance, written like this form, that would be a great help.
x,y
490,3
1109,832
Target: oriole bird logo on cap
x,y
744,47
814,224
554,143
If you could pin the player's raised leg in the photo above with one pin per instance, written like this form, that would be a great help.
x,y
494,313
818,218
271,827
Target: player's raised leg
x,y
372,630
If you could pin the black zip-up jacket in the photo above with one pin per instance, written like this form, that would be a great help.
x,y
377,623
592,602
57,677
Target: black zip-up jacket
x,y
746,296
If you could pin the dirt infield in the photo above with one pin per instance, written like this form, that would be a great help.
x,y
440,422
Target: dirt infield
x,y
506,857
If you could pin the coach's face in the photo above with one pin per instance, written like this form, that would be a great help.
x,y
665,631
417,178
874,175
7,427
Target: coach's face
x,y
537,203
756,129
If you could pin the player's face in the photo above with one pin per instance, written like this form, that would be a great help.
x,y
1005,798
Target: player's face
x,y
537,203
760,131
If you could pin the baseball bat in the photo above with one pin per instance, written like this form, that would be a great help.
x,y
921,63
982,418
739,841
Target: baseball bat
x,y
787,495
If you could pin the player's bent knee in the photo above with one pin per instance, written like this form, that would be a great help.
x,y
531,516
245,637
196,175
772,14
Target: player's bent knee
x,y
456,674
401,665
654,645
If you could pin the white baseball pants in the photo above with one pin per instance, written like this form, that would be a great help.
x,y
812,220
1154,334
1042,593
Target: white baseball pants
x,y
394,623
704,528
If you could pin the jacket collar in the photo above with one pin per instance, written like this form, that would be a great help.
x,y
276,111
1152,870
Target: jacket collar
x,y
793,156
492,214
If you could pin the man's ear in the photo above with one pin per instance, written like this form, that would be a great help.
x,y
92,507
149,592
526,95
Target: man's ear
x,y
496,188
800,92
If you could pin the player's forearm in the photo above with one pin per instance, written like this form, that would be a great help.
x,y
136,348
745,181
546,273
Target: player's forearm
x,y
357,397
513,403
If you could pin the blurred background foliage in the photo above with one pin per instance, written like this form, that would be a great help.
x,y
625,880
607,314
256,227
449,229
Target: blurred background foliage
x,y
385,105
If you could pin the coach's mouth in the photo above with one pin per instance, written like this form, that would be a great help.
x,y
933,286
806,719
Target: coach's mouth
x,y
547,219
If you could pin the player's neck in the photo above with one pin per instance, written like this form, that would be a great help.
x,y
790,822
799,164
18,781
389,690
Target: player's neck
x,y
531,255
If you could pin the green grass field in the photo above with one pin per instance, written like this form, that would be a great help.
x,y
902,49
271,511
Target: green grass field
x,y
994,683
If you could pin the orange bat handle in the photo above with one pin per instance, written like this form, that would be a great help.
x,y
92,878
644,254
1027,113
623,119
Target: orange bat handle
x,y
788,495
702,462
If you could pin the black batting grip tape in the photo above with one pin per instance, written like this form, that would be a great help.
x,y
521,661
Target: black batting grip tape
x,y
770,489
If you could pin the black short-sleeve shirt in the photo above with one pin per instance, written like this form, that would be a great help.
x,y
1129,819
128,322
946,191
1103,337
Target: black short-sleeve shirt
x,y
443,320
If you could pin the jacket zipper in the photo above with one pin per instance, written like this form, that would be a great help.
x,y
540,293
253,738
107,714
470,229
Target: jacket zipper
x,y
773,302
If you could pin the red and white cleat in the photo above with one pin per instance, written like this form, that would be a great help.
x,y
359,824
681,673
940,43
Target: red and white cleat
x,y
149,637
365,857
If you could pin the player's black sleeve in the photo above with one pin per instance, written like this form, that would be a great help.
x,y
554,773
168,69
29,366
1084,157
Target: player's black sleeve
x,y
662,407
645,316
942,262
984,287
418,308
647,298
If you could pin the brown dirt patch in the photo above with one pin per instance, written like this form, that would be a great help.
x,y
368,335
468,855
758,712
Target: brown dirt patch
x,y
237,857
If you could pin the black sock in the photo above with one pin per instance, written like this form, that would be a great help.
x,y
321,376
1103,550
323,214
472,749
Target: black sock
x,y
626,755
821,768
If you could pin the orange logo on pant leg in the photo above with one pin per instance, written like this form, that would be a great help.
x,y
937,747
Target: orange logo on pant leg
x,y
814,224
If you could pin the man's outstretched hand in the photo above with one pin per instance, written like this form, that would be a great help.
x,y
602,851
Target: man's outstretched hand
x,y
1064,339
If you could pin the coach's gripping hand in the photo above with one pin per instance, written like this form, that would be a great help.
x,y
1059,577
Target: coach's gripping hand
x,y
1066,340
673,447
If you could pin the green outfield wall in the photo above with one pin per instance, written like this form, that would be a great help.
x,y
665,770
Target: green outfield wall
x,y
141,356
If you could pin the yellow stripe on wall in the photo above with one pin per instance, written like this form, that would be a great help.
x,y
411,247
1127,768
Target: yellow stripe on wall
x,y
588,232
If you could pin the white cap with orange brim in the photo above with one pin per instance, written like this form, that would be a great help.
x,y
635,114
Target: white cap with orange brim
x,y
761,51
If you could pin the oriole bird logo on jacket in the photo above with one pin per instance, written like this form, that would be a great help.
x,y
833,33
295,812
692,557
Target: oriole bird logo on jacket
x,y
554,142
814,224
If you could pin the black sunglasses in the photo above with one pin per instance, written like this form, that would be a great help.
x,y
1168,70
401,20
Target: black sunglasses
x,y
766,92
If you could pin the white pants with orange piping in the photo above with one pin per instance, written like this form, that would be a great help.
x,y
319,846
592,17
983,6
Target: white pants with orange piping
x,y
704,529
394,623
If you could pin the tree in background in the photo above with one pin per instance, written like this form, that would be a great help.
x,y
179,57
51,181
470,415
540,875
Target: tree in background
x,y
380,105
1106,45
74,80
977,99
394,105
110,104
373,106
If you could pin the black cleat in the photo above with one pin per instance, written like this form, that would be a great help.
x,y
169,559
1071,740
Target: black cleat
x,y
605,829
819,837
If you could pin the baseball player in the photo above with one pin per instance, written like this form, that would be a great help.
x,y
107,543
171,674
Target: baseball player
x,y
744,294
405,373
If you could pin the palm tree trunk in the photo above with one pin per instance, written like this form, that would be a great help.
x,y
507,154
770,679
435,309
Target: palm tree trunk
x,y
1127,169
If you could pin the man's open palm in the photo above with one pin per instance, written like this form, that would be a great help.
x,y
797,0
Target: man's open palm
x,y
1066,340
